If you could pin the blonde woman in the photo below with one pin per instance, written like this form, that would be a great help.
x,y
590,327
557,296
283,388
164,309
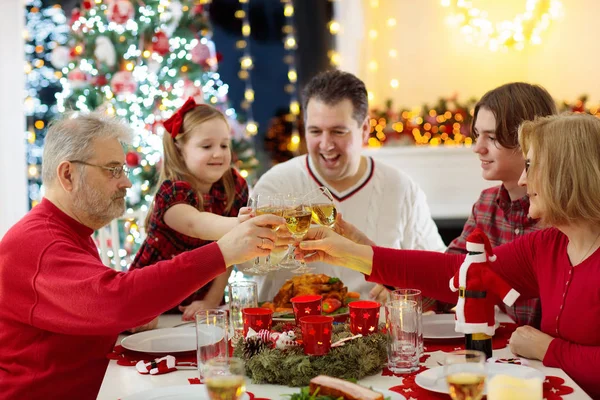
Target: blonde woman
x,y
559,264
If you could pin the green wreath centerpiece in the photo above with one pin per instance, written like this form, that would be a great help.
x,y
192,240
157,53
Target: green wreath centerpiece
x,y
356,359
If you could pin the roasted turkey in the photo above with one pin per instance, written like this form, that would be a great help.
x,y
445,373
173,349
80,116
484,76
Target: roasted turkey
x,y
321,284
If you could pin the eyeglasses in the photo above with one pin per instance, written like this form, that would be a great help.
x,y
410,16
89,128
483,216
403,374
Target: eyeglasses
x,y
527,164
116,172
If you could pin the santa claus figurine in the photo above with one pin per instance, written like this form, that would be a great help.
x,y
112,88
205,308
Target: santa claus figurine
x,y
479,288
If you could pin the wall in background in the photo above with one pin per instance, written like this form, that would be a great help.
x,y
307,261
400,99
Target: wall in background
x,y
433,59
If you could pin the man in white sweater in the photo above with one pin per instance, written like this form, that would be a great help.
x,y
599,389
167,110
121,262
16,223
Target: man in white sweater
x,y
378,199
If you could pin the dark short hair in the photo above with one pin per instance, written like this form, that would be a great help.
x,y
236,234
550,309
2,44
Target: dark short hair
x,y
334,86
512,104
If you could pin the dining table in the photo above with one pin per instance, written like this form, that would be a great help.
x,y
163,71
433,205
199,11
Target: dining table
x,y
120,381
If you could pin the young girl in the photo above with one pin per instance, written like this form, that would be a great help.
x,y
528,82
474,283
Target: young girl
x,y
199,198
502,211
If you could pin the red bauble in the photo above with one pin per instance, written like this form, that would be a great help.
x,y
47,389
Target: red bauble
x,y
160,43
99,80
120,11
87,4
132,159
75,14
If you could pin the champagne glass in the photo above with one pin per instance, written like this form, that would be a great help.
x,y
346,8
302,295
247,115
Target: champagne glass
x,y
322,206
297,214
269,204
465,374
225,378
259,205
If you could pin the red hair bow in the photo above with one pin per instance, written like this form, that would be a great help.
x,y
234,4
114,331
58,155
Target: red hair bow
x,y
173,124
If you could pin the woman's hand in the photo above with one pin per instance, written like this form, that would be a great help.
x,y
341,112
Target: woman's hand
x,y
347,230
529,342
191,309
150,325
245,214
253,238
323,244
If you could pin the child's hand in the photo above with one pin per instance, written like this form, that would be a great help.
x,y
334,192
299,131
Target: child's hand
x,y
190,310
245,214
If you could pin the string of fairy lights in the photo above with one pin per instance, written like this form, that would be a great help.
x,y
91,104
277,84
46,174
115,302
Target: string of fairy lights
x,y
290,45
246,65
525,28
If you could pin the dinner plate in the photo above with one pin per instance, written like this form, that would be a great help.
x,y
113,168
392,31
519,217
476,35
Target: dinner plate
x,y
187,392
167,340
440,326
433,379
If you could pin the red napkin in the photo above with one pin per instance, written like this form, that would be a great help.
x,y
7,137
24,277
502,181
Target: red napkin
x,y
130,358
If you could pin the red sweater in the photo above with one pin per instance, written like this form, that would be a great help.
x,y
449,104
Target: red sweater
x,y
61,309
536,265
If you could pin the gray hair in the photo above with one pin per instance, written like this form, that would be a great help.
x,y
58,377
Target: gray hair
x,y
71,138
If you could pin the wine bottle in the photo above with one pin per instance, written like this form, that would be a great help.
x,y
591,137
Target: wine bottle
x,y
480,342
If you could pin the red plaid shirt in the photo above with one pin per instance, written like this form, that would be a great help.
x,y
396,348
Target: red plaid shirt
x,y
164,243
503,221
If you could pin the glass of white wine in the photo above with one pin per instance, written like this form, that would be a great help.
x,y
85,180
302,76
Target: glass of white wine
x,y
225,378
323,209
465,374
297,214
264,204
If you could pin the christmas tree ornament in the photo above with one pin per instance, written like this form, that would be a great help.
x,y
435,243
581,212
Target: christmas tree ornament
x,y
105,51
60,57
190,89
77,78
160,43
132,159
120,11
123,83
204,54
478,286
87,4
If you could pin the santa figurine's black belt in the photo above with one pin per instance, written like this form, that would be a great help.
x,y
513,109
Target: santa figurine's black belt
x,y
471,293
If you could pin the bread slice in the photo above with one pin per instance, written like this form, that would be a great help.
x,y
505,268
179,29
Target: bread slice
x,y
339,388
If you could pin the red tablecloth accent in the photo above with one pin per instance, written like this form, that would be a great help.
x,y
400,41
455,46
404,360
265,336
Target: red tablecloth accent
x,y
130,358
499,341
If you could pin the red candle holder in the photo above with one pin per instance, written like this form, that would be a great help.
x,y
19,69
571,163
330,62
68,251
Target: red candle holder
x,y
310,304
316,334
257,319
364,317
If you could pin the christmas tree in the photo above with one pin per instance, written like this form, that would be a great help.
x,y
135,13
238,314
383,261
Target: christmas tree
x,y
45,29
140,61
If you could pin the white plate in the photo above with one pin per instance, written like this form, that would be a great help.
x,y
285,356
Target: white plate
x,y
167,340
187,392
170,340
433,379
440,326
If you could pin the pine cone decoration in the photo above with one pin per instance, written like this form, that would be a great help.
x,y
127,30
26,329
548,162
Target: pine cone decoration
x,y
252,346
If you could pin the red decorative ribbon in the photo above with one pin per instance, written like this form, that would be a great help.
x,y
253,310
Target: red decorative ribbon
x,y
173,125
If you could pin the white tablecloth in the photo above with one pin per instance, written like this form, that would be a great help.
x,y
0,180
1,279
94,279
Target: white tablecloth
x,y
121,381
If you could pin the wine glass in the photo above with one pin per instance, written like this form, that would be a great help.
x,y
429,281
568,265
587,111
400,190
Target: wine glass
x,y
225,378
297,214
465,374
322,206
269,204
263,204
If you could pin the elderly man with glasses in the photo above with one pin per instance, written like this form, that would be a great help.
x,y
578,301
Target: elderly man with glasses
x,y
61,309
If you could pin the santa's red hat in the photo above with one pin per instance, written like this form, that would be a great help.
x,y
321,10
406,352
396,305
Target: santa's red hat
x,y
478,242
